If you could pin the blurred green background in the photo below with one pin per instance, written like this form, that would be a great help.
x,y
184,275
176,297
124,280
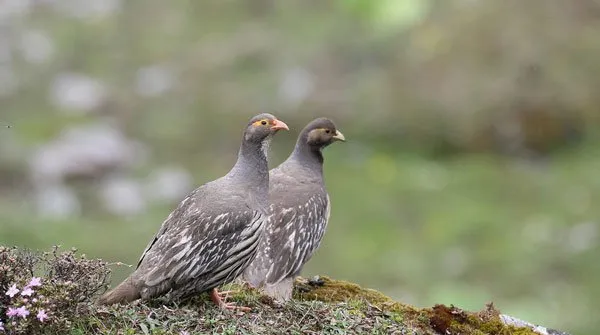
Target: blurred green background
x,y
472,170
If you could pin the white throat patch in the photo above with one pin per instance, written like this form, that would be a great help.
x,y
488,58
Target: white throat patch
x,y
266,144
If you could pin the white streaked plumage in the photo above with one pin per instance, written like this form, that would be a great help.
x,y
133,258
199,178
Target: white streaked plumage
x,y
213,235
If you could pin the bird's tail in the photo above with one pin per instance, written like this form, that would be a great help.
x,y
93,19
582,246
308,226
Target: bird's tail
x,y
124,292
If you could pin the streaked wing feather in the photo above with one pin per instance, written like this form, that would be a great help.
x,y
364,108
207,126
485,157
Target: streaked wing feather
x,y
170,222
299,234
191,245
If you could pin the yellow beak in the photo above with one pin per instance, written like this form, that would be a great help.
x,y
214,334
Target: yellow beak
x,y
339,136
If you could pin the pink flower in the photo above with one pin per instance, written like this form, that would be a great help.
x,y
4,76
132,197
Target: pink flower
x,y
11,312
12,291
22,312
27,291
41,315
35,281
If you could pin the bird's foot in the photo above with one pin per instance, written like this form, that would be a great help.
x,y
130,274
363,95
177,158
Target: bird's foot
x,y
220,301
231,306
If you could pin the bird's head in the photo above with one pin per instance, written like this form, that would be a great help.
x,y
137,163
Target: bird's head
x,y
320,133
261,127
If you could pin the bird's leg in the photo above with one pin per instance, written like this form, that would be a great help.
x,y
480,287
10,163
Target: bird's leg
x,y
216,298
226,294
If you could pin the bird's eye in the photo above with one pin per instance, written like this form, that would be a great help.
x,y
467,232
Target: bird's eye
x,y
327,131
263,122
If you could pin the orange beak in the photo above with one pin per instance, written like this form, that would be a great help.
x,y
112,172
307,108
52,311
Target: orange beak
x,y
278,125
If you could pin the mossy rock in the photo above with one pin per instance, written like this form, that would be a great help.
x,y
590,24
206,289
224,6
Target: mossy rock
x,y
320,306
440,319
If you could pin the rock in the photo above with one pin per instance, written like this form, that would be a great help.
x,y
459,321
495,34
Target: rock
x,y
511,321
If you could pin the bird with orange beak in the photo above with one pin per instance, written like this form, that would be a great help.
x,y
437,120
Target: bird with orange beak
x,y
213,235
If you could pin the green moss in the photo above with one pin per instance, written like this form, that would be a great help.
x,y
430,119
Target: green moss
x,y
440,319
328,290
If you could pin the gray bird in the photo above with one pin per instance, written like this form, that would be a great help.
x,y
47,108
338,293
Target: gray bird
x,y
300,212
212,236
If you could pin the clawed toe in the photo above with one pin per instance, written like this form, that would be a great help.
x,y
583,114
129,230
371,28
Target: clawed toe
x,y
230,306
219,301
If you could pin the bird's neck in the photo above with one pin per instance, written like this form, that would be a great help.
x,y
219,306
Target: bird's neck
x,y
252,167
308,156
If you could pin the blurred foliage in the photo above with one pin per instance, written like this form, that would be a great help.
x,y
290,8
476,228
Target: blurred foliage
x,y
470,171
